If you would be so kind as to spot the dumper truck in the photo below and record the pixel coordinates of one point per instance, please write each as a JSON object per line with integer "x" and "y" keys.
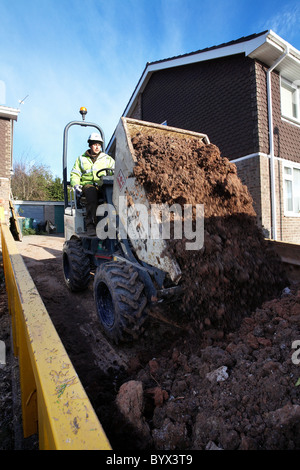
{"x": 131, "y": 268}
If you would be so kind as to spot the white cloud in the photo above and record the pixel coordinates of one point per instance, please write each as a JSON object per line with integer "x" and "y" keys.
{"x": 285, "y": 22}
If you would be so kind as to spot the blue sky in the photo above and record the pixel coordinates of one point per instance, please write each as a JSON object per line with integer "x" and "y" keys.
{"x": 64, "y": 54}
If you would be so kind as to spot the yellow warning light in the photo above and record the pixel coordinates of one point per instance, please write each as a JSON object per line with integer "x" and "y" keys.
{"x": 83, "y": 112}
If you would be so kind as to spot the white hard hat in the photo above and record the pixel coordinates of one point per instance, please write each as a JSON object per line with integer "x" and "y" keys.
{"x": 94, "y": 137}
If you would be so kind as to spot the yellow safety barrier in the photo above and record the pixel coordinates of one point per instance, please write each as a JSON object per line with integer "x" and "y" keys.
{"x": 54, "y": 403}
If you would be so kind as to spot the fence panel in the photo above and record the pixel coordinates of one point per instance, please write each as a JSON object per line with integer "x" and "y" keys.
{"x": 54, "y": 403}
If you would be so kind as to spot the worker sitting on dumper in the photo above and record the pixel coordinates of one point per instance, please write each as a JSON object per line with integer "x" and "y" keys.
{"x": 83, "y": 177}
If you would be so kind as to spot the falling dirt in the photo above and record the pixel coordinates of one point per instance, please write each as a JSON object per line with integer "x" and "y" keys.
{"x": 217, "y": 369}
{"x": 235, "y": 271}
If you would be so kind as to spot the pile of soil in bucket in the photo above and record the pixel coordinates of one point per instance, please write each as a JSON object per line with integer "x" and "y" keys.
{"x": 236, "y": 270}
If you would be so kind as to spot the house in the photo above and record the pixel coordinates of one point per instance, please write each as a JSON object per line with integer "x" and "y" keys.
{"x": 245, "y": 95}
{"x": 35, "y": 211}
{"x": 7, "y": 118}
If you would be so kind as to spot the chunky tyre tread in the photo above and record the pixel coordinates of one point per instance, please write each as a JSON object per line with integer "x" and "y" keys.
{"x": 76, "y": 266}
{"x": 128, "y": 301}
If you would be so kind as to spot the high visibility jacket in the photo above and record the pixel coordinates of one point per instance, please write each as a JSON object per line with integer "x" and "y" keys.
{"x": 84, "y": 169}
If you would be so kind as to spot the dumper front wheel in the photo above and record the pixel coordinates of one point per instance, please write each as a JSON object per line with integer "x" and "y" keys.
{"x": 76, "y": 266}
{"x": 120, "y": 301}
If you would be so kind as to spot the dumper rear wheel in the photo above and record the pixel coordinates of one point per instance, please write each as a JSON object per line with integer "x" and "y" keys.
{"x": 120, "y": 301}
{"x": 76, "y": 266}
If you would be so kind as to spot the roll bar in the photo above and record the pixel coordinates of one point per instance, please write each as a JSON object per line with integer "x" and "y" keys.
{"x": 82, "y": 123}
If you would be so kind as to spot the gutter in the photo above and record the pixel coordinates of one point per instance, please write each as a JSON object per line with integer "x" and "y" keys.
{"x": 271, "y": 141}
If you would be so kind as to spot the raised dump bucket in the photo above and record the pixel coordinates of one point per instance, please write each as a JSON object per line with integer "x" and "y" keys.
{"x": 126, "y": 188}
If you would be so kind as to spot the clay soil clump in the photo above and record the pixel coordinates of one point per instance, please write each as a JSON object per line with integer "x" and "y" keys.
{"x": 235, "y": 393}
{"x": 236, "y": 270}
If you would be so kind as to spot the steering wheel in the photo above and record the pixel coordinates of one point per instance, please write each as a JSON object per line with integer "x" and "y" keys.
{"x": 105, "y": 169}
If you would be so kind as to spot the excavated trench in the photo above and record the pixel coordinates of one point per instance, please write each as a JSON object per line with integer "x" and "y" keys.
{"x": 214, "y": 370}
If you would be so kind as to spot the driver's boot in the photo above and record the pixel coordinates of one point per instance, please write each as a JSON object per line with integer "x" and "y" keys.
{"x": 91, "y": 230}
{"x": 90, "y": 226}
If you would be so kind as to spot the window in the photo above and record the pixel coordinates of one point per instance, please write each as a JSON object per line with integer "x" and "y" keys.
{"x": 290, "y": 100}
{"x": 291, "y": 177}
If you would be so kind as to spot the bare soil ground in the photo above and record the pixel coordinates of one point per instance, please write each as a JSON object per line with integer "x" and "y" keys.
{"x": 178, "y": 388}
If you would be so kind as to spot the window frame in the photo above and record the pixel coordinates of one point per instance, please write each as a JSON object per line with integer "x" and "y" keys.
{"x": 284, "y": 82}
{"x": 292, "y": 166}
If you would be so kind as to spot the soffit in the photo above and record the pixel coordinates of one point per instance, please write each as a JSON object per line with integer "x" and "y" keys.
{"x": 272, "y": 49}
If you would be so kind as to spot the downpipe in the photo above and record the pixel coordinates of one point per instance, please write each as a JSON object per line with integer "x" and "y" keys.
{"x": 271, "y": 143}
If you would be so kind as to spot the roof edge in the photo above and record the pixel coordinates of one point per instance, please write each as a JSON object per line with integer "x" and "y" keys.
{"x": 242, "y": 45}
{"x": 9, "y": 113}
{"x": 235, "y": 42}
{"x": 246, "y": 44}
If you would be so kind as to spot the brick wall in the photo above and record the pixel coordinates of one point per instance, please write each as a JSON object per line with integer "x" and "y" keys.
{"x": 250, "y": 174}
{"x": 255, "y": 174}
{"x": 262, "y": 107}
{"x": 286, "y": 147}
{"x": 137, "y": 111}
{"x": 286, "y": 134}
{"x": 216, "y": 97}
{"x": 288, "y": 228}
{"x": 5, "y": 164}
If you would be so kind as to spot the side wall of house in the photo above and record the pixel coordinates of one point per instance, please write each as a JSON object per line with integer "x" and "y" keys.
{"x": 5, "y": 164}
{"x": 286, "y": 149}
{"x": 137, "y": 111}
{"x": 288, "y": 228}
{"x": 227, "y": 99}
{"x": 255, "y": 171}
{"x": 215, "y": 97}
{"x": 286, "y": 134}
{"x": 249, "y": 171}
